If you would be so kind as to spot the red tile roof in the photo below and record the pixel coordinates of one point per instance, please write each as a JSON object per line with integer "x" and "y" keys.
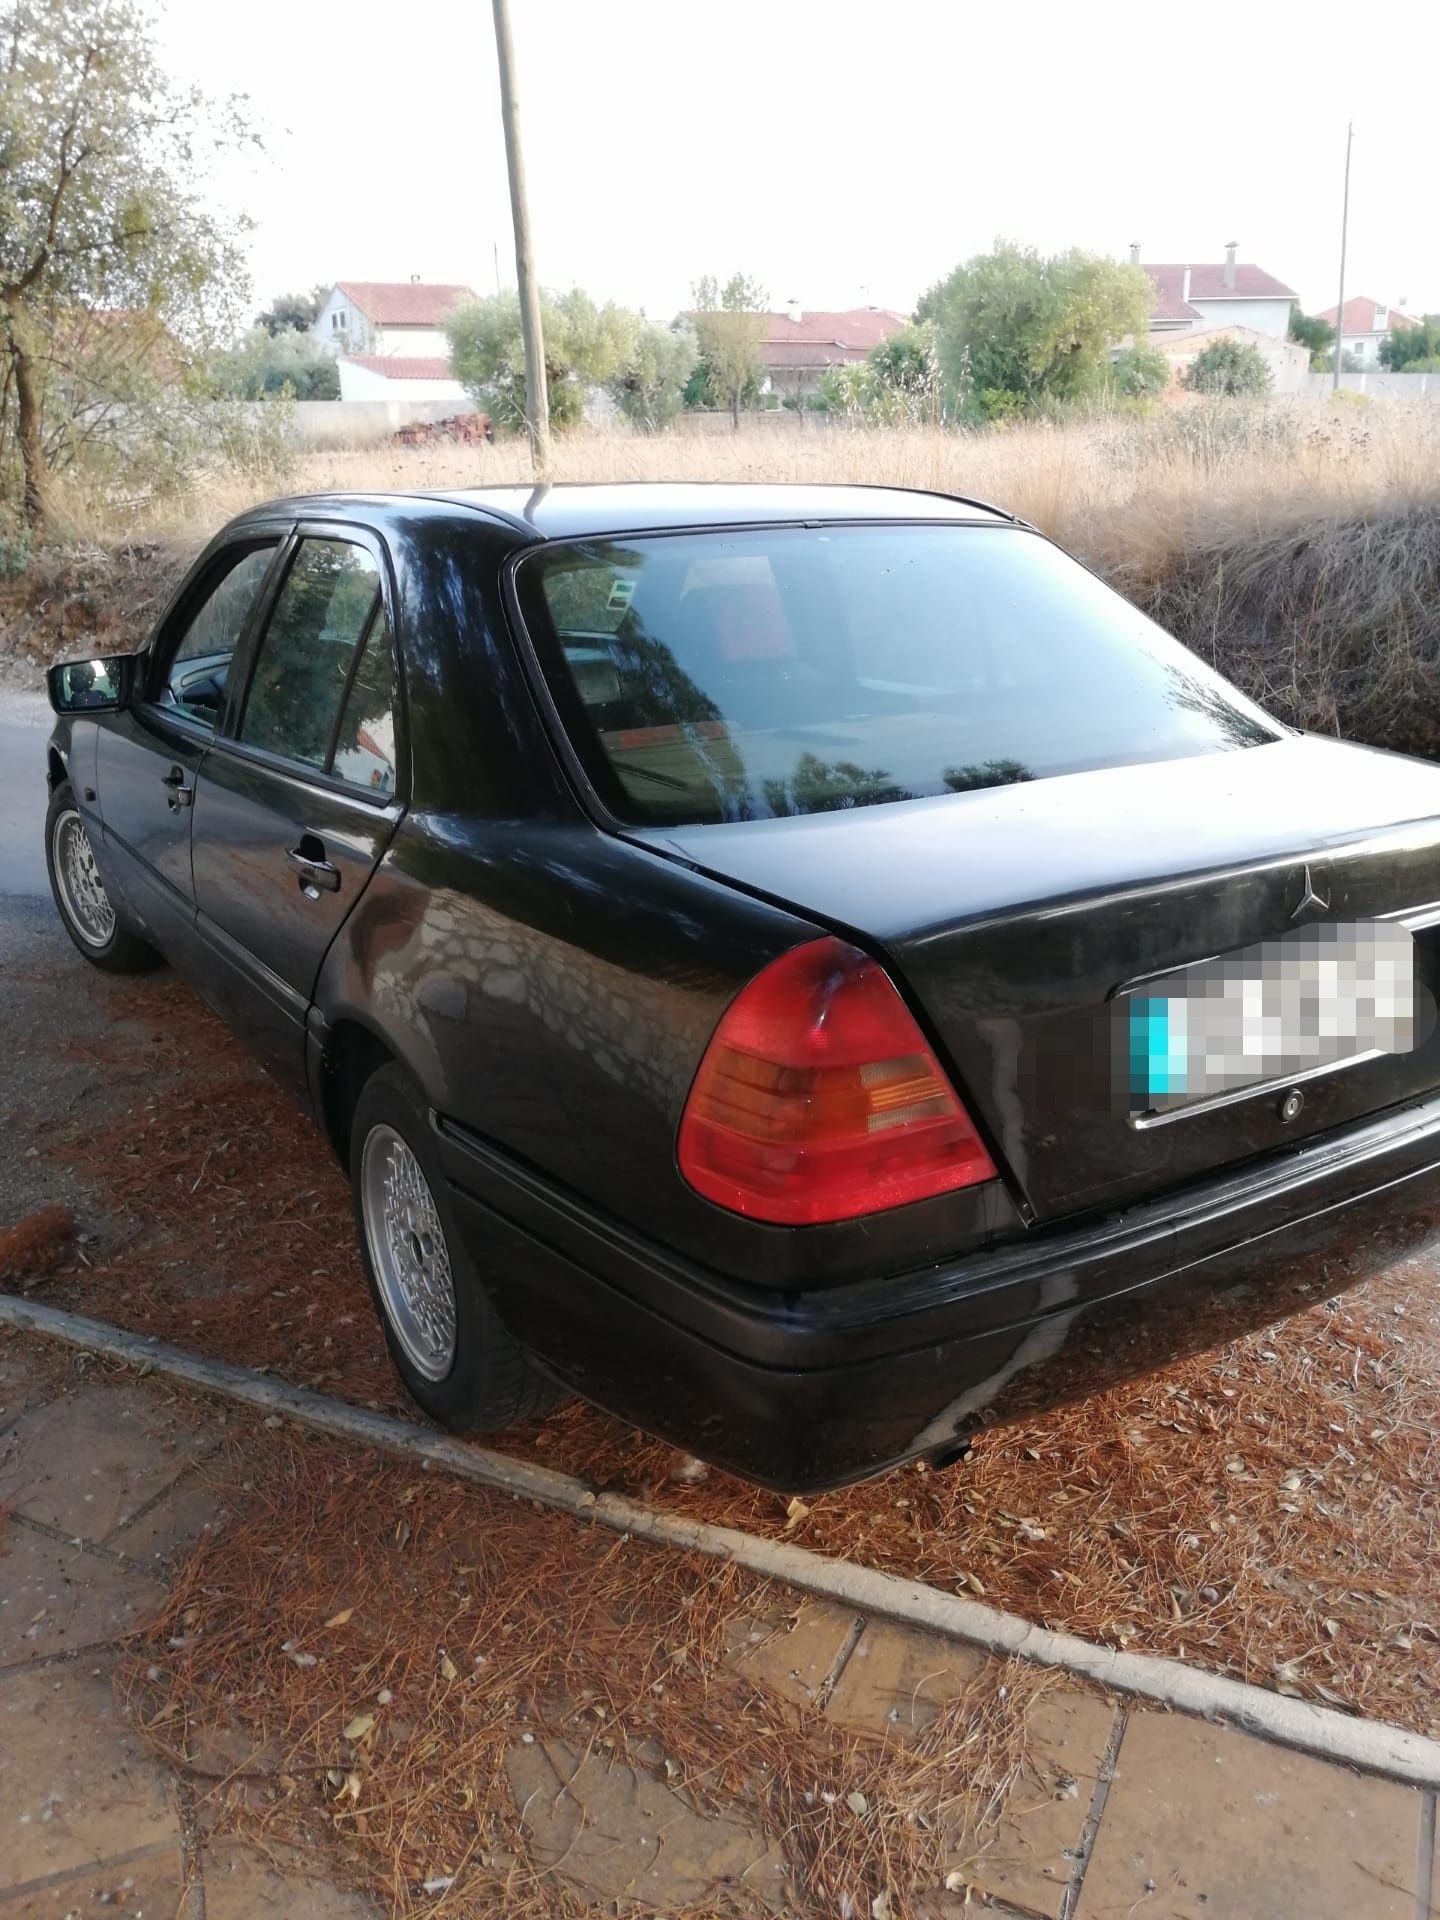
{"x": 1208, "y": 283}
{"x": 404, "y": 303}
{"x": 402, "y": 366}
{"x": 826, "y": 339}
{"x": 1360, "y": 316}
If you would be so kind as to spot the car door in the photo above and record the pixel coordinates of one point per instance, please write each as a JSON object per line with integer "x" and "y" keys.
{"x": 148, "y": 756}
{"x": 301, "y": 792}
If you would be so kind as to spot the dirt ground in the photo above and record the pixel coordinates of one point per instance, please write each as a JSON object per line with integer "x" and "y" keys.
{"x": 1268, "y": 1512}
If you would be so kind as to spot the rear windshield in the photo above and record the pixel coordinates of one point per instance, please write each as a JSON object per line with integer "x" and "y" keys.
{"x": 745, "y": 675}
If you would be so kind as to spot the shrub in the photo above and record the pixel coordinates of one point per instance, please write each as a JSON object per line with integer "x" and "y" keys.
{"x": 1228, "y": 367}
{"x": 1141, "y": 373}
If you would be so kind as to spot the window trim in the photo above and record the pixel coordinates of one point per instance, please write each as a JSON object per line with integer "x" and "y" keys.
{"x": 227, "y": 737}
{"x": 175, "y": 622}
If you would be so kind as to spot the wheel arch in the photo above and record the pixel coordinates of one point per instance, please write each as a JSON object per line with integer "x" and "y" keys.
{"x": 352, "y": 1053}
{"x": 56, "y": 770}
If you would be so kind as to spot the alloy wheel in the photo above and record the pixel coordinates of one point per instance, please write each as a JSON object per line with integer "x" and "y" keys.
{"x": 407, "y": 1250}
{"x": 82, "y": 891}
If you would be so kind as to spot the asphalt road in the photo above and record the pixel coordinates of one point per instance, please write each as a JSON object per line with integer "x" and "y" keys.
{"x": 24, "y": 728}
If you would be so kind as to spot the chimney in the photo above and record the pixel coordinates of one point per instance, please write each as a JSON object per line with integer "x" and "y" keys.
{"x": 792, "y": 310}
{"x": 414, "y": 279}
{"x": 1134, "y": 253}
{"x": 1230, "y": 250}
{"x": 1185, "y": 285}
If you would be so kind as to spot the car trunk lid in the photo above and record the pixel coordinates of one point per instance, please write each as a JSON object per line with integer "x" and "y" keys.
{"x": 1014, "y": 917}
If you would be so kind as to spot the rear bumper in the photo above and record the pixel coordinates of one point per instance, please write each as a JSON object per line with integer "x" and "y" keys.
{"x": 807, "y": 1390}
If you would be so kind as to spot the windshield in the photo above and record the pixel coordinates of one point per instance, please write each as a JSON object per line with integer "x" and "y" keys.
{"x": 771, "y": 671}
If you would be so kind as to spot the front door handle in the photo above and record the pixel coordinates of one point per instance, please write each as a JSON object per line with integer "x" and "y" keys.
{"x": 179, "y": 794}
{"x": 316, "y": 876}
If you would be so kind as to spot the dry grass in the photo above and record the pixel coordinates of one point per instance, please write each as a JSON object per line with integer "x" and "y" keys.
{"x": 1128, "y": 489}
{"x": 385, "y": 1640}
{"x": 1296, "y": 546}
{"x": 1268, "y": 1511}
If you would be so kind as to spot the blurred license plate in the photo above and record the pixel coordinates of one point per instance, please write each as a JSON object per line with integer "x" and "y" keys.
{"x": 1319, "y": 998}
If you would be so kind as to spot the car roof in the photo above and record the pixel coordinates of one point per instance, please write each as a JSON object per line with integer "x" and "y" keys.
{"x": 570, "y": 511}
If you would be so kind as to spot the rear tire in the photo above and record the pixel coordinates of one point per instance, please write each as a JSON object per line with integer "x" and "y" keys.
{"x": 85, "y": 908}
{"x": 457, "y": 1358}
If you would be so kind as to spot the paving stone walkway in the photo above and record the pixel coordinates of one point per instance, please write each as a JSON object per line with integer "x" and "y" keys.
{"x": 1122, "y": 1812}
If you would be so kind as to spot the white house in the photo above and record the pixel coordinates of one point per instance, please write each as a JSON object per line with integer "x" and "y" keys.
{"x": 377, "y": 317}
{"x": 1367, "y": 326}
{"x": 1230, "y": 293}
{"x": 400, "y": 376}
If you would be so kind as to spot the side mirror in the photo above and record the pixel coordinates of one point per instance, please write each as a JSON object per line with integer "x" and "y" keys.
{"x": 79, "y": 686}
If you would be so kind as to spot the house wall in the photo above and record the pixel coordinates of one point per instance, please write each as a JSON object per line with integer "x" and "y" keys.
{"x": 361, "y": 383}
{"x": 1288, "y": 361}
{"x": 1364, "y": 346}
{"x": 1270, "y": 317}
{"x": 353, "y": 334}
{"x": 425, "y": 343}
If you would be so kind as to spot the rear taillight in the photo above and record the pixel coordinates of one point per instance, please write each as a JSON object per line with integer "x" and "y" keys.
{"x": 819, "y": 1099}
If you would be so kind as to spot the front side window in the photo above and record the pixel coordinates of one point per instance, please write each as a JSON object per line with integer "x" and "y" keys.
{"x": 200, "y": 665}
{"x": 772, "y": 671}
{"x": 320, "y": 616}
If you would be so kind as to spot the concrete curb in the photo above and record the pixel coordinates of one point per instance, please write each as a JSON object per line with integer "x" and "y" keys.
{"x": 1373, "y": 1745}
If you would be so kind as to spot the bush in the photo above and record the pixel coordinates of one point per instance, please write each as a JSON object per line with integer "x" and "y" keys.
{"x": 1141, "y": 373}
{"x": 1228, "y": 367}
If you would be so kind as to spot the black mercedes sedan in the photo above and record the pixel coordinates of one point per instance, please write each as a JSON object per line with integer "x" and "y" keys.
{"x": 810, "y": 969}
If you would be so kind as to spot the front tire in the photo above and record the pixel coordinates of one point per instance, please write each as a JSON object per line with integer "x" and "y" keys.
{"x": 84, "y": 906}
{"x": 450, "y": 1347}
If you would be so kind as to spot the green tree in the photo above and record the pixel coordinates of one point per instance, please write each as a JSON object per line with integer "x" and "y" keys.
{"x": 1141, "y": 372}
{"x": 898, "y": 384}
{"x": 1312, "y": 332}
{"x": 98, "y": 152}
{"x": 649, "y": 386}
{"x": 265, "y": 364}
{"x": 585, "y": 346}
{"x": 1228, "y": 367}
{"x": 1013, "y": 322}
{"x": 730, "y": 324}
{"x": 1406, "y": 345}
{"x": 293, "y": 312}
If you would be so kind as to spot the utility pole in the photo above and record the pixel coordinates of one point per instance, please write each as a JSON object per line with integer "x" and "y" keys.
{"x": 1344, "y": 232}
{"x": 537, "y": 400}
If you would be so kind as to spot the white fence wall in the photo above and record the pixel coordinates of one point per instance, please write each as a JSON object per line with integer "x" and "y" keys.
{"x": 1386, "y": 386}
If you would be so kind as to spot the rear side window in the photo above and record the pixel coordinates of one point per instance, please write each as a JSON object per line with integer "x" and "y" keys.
{"x": 365, "y": 743}
{"x": 200, "y": 665}
{"x": 321, "y": 614}
{"x": 784, "y": 670}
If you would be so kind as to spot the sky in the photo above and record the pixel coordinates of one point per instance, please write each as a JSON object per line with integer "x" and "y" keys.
{"x": 843, "y": 155}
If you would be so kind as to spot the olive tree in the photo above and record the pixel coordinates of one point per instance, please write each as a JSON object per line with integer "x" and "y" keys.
{"x": 585, "y": 346}
{"x": 730, "y": 324}
{"x": 98, "y": 150}
{"x": 1019, "y": 328}
{"x": 649, "y": 387}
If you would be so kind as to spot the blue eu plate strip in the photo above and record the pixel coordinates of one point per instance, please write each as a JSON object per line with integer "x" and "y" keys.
{"x": 1159, "y": 1061}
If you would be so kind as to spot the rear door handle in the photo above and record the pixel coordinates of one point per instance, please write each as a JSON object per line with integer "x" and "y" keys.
{"x": 316, "y": 876}
{"x": 179, "y": 794}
